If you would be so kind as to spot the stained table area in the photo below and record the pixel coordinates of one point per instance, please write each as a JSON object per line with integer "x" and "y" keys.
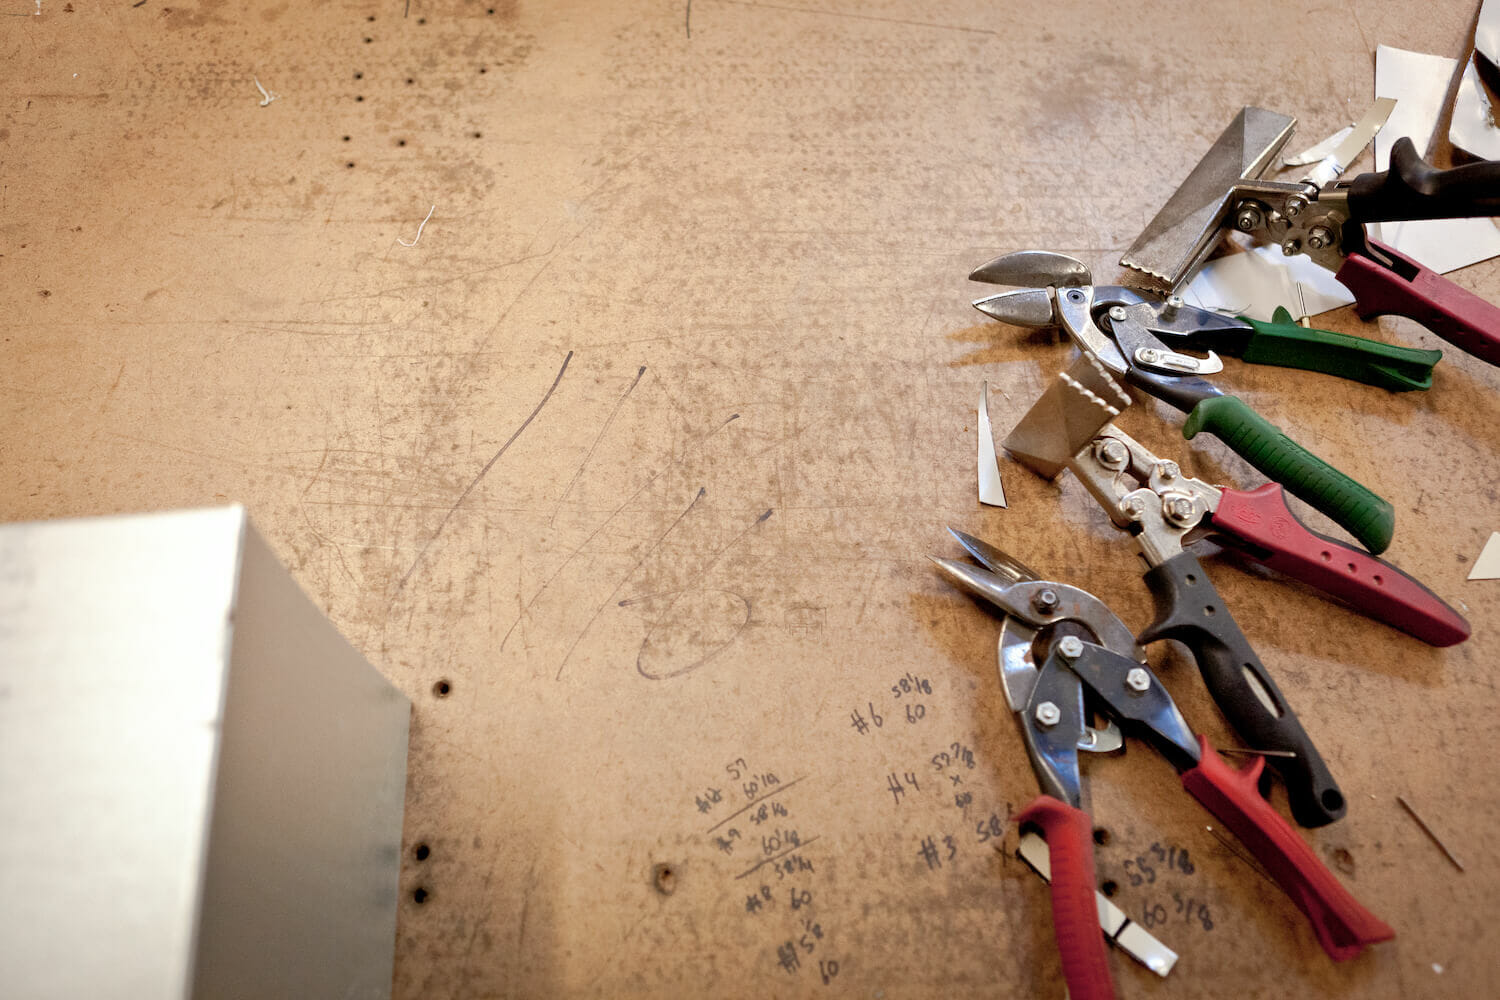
{"x": 625, "y": 466}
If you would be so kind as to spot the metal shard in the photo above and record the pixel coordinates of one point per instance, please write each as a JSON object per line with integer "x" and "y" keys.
{"x": 991, "y": 489}
{"x": 1189, "y": 225}
{"x": 1332, "y": 166}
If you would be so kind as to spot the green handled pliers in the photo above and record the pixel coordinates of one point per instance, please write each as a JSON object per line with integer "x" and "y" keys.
{"x": 1057, "y": 290}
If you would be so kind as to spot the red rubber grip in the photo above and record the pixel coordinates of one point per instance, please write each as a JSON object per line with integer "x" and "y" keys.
{"x": 1075, "y": 916}
{"x": 1456, "y": 314}
{"x": 1340, "y": 921}
{"x": 1374, "y": 587}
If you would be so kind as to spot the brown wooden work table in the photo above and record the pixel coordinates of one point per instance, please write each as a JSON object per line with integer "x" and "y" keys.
{"x": 626, "y": 472}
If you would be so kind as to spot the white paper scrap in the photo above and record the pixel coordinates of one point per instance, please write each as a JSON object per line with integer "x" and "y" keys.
{"x": 1487, "y": 566}
{"x": 991, "y": 489}
{"x": 1473, "y": 127}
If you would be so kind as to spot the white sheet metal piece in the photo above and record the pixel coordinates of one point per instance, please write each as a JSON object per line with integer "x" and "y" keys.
{"x": 1419, "y": 82}
{"x": 1487, "y": 32}
{"x": 1127, "y": 935}
{"x": 1473, "y": 127}
{"x": 1314, "y": 153}
{"x": 1487, "y": 566}
{"x": 991, "y": 489}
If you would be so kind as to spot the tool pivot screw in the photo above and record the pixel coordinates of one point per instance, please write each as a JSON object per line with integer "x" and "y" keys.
{"x": 1180, "y": 510}
{"x": 1291, "y": 248}
{"x": 1117, "y": 313}
{"x": 1137, "y": 679}
{"x": 1320, "y": 237}
{"x": 1169, "y": 470}
{"x": 1170, "y": 307}
{"x": 1248, "y": 218}
{"x": 1045, "y": 601}
{"x": 1048, "y": 714}
{"x": 1070, "y": 646}
{"x": 1112, "y": 453}
{"x": 1294, "y": 206}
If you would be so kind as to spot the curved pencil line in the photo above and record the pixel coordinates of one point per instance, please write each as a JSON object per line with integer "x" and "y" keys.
{"x": 702, "y": 492}
{"x": 482, "y": 472}
{"x": 593, "y": 447}
{"x": 521, "y": 615}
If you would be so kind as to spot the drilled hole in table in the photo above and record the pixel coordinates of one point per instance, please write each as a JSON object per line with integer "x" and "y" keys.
{"x": 422, "y": 852}
{"x": 420, "y": 896}
{"x": 441, "y": 688}
{"x": 1109, "y": 888}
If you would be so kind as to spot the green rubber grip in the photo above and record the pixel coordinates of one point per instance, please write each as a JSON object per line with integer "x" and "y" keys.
{"x": 1283, "y": 343}
{"x": 1371, "y": 520}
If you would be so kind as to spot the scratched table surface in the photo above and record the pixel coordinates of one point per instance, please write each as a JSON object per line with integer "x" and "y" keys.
{"x": 626, "y": 465}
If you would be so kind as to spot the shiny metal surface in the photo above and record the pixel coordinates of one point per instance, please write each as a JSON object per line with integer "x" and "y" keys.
{"x": 1039, "y": 268}
{"x": 1015, "y": 599}
{"x": 202, "y": 782}
{"x": 1148, "y": 711}
{"x": 994, "y": 559}
{"x": 1029, "y": 307}
{"x": 1141, "y": 493}
{"x": 1075, "y": 311}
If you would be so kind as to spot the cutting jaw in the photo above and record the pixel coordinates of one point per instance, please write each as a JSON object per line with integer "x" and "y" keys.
{"x": 1074, "y": 408}
{"x": 1189, "y": 225}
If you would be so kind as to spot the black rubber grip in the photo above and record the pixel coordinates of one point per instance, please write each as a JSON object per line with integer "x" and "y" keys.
{"x": 1189, "y": 610}
{"x": 1414, "y": 189}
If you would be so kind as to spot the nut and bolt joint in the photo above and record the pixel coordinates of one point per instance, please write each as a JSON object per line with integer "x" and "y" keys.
{"x": 1070, "y": 647}
{"x": 1111, "y": 453}
{"x": 1291, "y": 248}
{"x": 1248, "y": 218}
{"x": 1178, "y": 509}
{"x": 1168, "y": 470}
{"x": 1137, "y": 679}
{"x": 1294, "y": 206}
{"x": 1048, "y": 714}
{"x": 1117, "y": 313}
{"x": 1320, "y": 237}
{"x": 1045, "y": 601}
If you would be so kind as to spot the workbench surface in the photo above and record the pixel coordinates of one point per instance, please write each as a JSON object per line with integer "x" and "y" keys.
{"x": 627, "y": 470}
